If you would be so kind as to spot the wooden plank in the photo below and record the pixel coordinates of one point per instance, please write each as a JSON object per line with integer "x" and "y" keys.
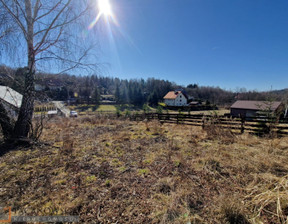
{"x": 251, "y": 126}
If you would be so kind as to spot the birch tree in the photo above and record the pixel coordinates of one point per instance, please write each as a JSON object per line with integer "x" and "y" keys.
{"x": 50, "y": 31}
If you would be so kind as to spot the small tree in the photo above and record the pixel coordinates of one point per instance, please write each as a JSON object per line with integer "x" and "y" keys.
{"x": 146, "y": 108}
{"x": 153, "y": 98}
{"x": 96, "y": 96}
{"x": 117, "y": 94}
{"x": 159, "y": 109}
{"x": 268, "y": 117}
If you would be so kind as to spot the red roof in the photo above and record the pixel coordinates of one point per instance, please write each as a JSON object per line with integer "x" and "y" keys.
{"x": 173, "y": 95}
{"x": 255, "y": 105}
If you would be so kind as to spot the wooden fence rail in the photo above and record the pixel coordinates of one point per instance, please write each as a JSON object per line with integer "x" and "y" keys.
{"x": 252, "y": 125}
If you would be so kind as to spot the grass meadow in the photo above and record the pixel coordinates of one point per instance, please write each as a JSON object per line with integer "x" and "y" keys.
{"x": 119, "y": 171}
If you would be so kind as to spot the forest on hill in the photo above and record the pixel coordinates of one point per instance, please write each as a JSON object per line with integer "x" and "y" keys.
{"x": 88, "y": 89}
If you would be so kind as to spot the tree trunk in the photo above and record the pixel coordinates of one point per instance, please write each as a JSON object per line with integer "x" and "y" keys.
{"x": 24, "y": 121}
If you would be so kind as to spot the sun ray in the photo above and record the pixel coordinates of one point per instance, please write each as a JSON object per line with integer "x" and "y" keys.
{"x": 93, "y": 23}
{"x": 105, "y": 12}
{"x": 128, "y": 39}
{"x": 113, "y": 46}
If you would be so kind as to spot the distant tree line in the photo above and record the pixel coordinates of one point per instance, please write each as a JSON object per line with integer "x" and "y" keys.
{"x": 89, "y": 89}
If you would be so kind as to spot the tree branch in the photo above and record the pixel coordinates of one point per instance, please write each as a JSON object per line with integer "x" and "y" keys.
{"x": 61, "y": 24}
{"x": 76, "y": 64}
{"x": 47, "y": 13}
{"x": 51, "y": 25}
{"x": 53, "y": 42}
{"x": 21, "y": 9}
{"x": 16, "y": 18}
{"x": 36, "y": 10}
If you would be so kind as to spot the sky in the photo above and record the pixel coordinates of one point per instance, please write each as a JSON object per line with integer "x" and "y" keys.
{"x": 231, "y": 44}
{"x": 227, "y": 43}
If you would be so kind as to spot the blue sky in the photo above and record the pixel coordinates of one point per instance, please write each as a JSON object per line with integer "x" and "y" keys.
{"x": 225, "y": 43}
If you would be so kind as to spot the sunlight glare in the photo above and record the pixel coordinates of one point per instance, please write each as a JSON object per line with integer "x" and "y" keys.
{"x": 104, "y": 7}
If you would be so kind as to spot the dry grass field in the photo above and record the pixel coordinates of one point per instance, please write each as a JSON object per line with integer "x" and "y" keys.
{"x": 118, "y": 171}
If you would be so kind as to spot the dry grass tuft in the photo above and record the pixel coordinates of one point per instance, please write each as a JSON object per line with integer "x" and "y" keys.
{"x": 216, "y": 132}
{"x": 68, "y": 144}
{"x": 269, "y": 199}
{"x": 165, "y": 186}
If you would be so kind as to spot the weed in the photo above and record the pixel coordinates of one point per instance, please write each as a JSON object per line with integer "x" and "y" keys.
{"x": 143, "y": 172}
{"x": 60, "y": 182}
{"x": 91, "y": 179}
{"x": 159, "y": 109}
{"x": 177, "y": 163}
{"x": 108, "y": 183}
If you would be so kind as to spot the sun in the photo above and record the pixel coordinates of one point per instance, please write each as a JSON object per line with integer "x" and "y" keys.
{"x": 105, "y": 7}
{"x": 105, "y": 10}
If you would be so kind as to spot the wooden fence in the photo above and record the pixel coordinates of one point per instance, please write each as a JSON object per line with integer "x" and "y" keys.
{"x": 252, "y": 125}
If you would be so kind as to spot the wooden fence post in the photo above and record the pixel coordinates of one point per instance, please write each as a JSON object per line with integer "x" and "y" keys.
{"x": 203, "y": 122}
{"x": 242, "y": 124}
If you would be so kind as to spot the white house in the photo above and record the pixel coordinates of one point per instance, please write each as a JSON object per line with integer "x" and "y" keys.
{"x": 175, "y": 98}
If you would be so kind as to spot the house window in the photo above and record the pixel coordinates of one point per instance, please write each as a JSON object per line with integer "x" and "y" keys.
{"x": 180, "y": 100}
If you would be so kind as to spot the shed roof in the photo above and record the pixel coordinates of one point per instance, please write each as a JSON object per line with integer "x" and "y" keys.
{"x": 255, "y": 105}
{"x": 10, "y": 96}
{"x": 173, "y": 95}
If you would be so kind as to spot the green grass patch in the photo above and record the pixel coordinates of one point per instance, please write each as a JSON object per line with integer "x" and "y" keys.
{"x": 110, "y": 108}
{"x": 91, "y": 179}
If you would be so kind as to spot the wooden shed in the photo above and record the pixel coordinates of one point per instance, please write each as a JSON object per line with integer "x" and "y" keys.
{"x": 248, "y": 108}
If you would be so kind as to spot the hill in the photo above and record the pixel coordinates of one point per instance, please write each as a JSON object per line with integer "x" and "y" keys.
{"x": 87, "y": 89}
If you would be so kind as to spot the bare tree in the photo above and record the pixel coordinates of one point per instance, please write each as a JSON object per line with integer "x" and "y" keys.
{"x": 50, "y": 30}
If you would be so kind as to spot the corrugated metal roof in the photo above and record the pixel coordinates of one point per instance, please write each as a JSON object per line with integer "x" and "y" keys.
{"x": 255, "y": 105}
{"x": 10, "y": 96}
